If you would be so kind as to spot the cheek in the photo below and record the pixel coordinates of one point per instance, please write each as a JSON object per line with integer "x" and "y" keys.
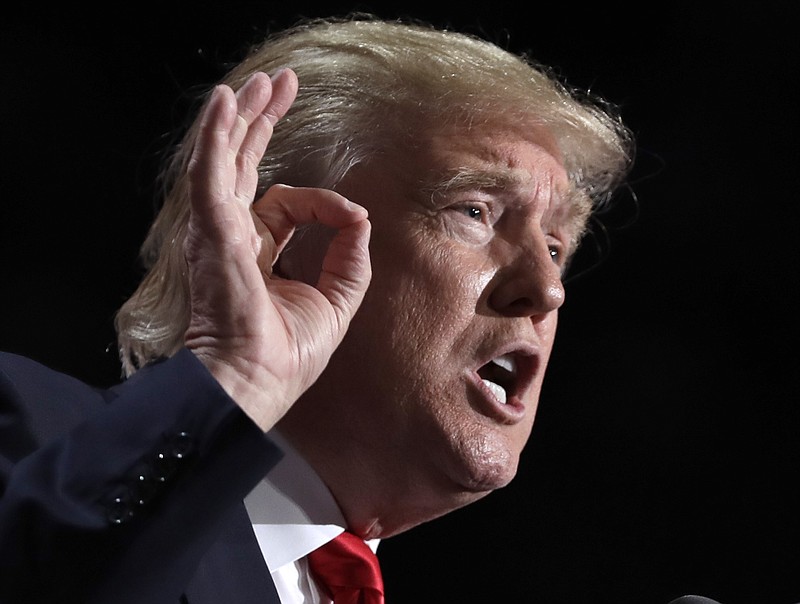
{"x": 438, "y": 303}
{"x": 450, "y": 274}
{"x": 423, "y": 299}
{"x": 546, "y": 330}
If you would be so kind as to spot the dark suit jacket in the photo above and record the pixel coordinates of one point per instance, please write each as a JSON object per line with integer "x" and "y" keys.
{"x": 132, "y": 494}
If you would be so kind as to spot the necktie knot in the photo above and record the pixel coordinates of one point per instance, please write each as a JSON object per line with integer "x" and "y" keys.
{"x": 348, "y": 570}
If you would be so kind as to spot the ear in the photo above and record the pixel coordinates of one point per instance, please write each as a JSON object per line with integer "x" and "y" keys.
{"x": 301, "y": 259}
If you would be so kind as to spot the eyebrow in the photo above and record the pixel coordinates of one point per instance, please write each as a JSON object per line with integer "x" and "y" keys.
{"x": 577, "y": 204}
{"x": 470, "y": 178}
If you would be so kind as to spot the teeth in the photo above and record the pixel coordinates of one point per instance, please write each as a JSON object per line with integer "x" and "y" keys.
{"x": 507, "y": 362}
{"x": 497, "y": 390}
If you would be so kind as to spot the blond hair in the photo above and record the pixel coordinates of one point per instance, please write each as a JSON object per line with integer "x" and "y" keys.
{"x": 365, "y": 84}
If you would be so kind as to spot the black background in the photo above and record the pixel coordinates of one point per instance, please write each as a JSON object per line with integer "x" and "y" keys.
{"x": 664, "y": 459}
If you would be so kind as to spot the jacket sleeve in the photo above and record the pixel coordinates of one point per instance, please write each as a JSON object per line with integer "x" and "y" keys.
{"x": 130, "y": 496}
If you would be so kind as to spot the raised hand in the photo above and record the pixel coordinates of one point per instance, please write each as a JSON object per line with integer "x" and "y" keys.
{"x": 265, "y": 339}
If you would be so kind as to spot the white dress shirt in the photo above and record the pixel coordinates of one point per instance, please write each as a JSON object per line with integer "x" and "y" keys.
{"x": 294, "y": 513}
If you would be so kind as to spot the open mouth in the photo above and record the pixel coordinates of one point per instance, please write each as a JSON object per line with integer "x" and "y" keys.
{"x": 500, "y": 376}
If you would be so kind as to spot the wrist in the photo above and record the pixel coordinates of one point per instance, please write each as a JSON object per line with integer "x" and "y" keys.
{"x": 249, "y": 386}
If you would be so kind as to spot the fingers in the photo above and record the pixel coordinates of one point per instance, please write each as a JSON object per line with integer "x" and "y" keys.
{"x": 284, "y": 91}
{"x": 251, "y": 100}
{"x": 262, "y": 98}
{"x": 232, "y": 137}
{"x": 346, "y": 269}
{"x": 283, "y": 208}
{"x": 209, "y": 156}
{"x": 261, "y": 102}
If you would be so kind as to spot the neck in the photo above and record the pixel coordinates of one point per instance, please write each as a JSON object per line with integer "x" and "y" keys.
{"x": 377, "y": 497}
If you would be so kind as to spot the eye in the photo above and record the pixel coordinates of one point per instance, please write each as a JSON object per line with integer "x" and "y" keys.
{"x": 557, "y": 253}
{"x": 469, "y": 220}
{"x": 472, "y": 211}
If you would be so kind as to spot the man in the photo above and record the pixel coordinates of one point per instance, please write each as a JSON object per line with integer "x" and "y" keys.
{"x": 263, "y": 415}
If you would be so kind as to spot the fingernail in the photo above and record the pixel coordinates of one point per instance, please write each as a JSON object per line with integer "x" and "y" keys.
{"x": 354, "y": 207}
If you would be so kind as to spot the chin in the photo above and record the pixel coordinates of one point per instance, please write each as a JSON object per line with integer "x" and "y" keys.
{"x": 485, "y": 481}
{"x": 486, "y": 468}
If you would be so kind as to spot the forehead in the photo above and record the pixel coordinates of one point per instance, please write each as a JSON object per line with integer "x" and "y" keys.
{"x": 451, "y": 159}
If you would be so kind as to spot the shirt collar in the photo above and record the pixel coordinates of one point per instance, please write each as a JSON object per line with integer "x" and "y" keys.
{"x": 292, "y": 511}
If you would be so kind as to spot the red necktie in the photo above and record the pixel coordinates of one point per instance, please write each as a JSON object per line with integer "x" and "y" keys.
{"x": 348, "y": 570}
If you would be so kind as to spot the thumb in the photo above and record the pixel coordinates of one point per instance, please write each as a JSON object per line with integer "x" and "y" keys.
{"x": 346, "y": 271}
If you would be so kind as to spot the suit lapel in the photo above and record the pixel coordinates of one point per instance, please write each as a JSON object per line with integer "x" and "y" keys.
{"x": 233, "y": 569}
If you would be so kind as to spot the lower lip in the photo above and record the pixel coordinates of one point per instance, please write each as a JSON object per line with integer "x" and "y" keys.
{"x": 510, "y": 412}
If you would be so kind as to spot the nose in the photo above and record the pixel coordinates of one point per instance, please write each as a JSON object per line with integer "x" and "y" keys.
{"x": 529, "y": 285}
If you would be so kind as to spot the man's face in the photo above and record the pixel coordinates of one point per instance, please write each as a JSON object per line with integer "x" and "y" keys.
{"x": 440, "y": 373}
